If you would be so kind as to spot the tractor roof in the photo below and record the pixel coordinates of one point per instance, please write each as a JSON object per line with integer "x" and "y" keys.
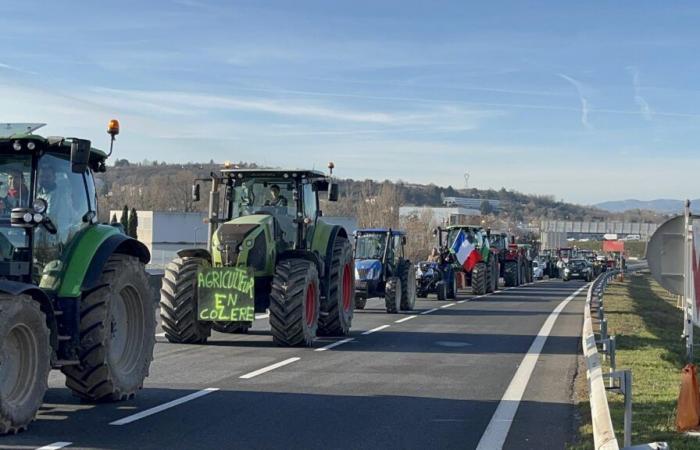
{"x": 275, "y": 173}
{"x": 380, "y": 231}
{"x": 24, "y": 132}
{"x": 465, "y": 227}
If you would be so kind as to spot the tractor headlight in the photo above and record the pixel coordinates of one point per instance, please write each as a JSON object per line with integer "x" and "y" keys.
{"x": 28, "y": 217}
{"x": 39, "y": 205}
{"x": 31, "y": 145}
{"x": 17, "y": 145}
{"x": 38, "y": 218}
{"x": 249, "y": 243}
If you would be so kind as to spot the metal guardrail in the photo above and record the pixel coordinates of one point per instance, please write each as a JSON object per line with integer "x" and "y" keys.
{"x": 618, "y": 381}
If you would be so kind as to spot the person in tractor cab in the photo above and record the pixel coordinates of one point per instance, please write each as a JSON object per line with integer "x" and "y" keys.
{"x": 277, "y": 199}
{"x": 434, "y": 255}
{"x": 17, "y": 193}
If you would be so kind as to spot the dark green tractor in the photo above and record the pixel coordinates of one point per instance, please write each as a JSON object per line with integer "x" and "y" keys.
{"x": 268, "y": 249}
{"x": 74, "y": 293}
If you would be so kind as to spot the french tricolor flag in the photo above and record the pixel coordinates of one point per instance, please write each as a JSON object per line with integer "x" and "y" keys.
{"x": 465, "y": 251}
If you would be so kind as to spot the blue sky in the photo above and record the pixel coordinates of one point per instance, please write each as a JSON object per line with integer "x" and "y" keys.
{"x": 586, "y": 101}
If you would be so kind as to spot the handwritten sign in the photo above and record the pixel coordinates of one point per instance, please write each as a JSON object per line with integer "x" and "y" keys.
{"x": 225, "y": 294}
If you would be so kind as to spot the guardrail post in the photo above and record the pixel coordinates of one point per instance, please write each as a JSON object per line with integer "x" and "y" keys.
{"x": 627, "y": 390}
{"x": 613, "y": 360}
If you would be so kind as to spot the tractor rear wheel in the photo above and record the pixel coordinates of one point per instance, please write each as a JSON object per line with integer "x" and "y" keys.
{"x": 25, "y": 353}
{"x": 479, "y": 279}
{"x": 294, "y": 303}
{"x": 489, "y": 276}
{"x": 407, "y": 274}
{"x": 360, "y": 302}
{"x": 441, "y": 290}
{"x": 178, "y": 303}
{"x": 117, "y": 334}
{"x": 232, "y": 327}
{"x": 337, "y": 310}
{"x": 392, "y": 295}
{"x": 510, "y": 273}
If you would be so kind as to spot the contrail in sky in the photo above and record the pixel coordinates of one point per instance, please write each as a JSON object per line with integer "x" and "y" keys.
{"x": 584, "y": 101}
{"x": 644, "y": 107}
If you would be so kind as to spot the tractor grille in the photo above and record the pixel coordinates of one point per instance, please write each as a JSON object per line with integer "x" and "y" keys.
{"x": 257, "y": 257}
{"x": 362, "y": 273}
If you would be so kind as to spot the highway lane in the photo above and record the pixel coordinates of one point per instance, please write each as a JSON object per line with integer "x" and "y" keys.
{"x": 431, "y": 380}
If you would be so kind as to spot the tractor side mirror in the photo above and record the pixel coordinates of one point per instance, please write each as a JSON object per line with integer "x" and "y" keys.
{"x": 333, "y": 192}
{"x": 195, "y": 193}
{"x": 79, "y": 155}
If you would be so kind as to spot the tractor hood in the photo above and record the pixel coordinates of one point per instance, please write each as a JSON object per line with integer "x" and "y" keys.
{"x": 368, "y": 269}
{"x": 244, "y": 241}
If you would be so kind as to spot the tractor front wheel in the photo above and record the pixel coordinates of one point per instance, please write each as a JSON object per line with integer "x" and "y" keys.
{"x": 294, "y": 303}
{"x": 178, "y": 304}
{"x": 25, "y": 353}
{"x": 441, "y": 290}
{"x": 360, "y": 302}
{"x": 408, "y": 286}
{"x": 337, "y": 310}
{"x": 117, "y": 334}
{"x": 392, "y": 295}
{"x": 510, "y": 274}
{"x": 479, "y": 279}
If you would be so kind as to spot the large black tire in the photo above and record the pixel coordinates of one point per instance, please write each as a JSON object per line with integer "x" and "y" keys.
{"x": 441, "y": 290}
{"x": 451, "y": 286}
{"x": 178, "y": 302}
{"x": 479, "y": 278}
{"x": 232, "y": 327}
{"x": 510, "y": 273}
{"x": 25, "y": 361}
{"x": 491, "y": 275}
{"x": 295, "y": 303}
{"x": 117, "y": 334}
{"x": 407, "y": 274}
{"x": 496, "y": 274}
{"x": 392, "y": 295}
{"x": 360, "y": 302}
{"x": 338, "y": 308}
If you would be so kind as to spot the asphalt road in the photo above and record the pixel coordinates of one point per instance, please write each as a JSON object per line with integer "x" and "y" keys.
{"x": 471, "y": 373}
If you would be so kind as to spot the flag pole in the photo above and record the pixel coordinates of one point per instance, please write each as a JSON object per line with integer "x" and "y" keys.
{"x": 688, "y": 294}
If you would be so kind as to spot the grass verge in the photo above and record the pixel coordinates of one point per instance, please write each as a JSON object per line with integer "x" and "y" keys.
{"x": 648, "y": 326}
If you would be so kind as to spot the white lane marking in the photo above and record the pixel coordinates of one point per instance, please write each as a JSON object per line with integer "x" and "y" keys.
{"x": 262, "y": 316}
{"x": 334, "y": 345}
{"x": 405, "y": 319}
{"x": 497, "y": 431}
{"x": 429, "y": 311}
{"x": 55, "y": 446}
{"x": 374, "y": 330}
{"x": 269, "y": 368}
{"x": 164, "y": 406}
{"x": 447, "y": 305}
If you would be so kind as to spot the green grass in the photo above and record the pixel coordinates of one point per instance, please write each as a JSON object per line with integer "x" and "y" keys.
{"x": 648, "y": 326}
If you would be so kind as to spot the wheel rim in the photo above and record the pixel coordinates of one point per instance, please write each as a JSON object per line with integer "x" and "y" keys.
{"x": 310, "y": 304}
{"x": 127, "y": 325}
{"x": 19, "y": 362}
{"x": 347, "y": 288}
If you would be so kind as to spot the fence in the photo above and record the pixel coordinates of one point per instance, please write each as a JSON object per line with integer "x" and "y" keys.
{"x": 619, "y": 381}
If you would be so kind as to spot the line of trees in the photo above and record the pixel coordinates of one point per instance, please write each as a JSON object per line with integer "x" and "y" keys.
{"x": 129, "y": 221}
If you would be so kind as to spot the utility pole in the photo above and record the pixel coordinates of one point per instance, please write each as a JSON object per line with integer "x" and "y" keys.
{"x": 688, "y": 289}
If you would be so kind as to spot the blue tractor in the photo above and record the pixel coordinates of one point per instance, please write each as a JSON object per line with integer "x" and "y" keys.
{"x": 382, "y": 270}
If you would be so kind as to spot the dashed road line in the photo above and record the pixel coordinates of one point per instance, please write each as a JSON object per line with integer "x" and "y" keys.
{"x": 269, "y": 368}
{"x": 428, "y": 311}
{"x": 405, "y": 319}
{"x": 55, "y": 446}
{"x": 149, "y": 412}
{"x": 497, "y": 430}
{"x": 334, "y": 344}
{"x": 447, "y": 305}
{"x": 374, "y": 330}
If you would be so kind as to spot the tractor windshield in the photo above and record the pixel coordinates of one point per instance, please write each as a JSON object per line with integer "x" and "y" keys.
{"x": 15, "y": 179}
{"x": 370, "y": 246}
{"x": 267, "y": 196}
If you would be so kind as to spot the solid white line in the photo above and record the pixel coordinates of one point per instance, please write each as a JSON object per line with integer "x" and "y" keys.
{"x": 497, "y": 431}
{"x": 164, "y": 406}
{"x": 429, "y": 311}
{"x": 334, "y": 344}
{"x": 269, "y": 368}
{"x": 55, "y": 446}
{"x": 405, "y": 319}
{"x": 374, "y": 330}
{"x": 447, "y": 305}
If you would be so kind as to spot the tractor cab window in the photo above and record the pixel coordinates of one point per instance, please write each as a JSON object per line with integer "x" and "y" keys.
{"x": 15, "y": 179}
{"x": 370, "y": 246}
{"x": 310, "y": 206}
{"x": 67, "y": 205}
{"x": 258, "y": 196}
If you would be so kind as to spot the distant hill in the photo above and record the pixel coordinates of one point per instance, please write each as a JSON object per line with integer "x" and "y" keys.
{"x": 661, "y": 205}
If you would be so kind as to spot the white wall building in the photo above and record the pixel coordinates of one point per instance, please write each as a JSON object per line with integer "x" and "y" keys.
{"x": 440, "y": 215}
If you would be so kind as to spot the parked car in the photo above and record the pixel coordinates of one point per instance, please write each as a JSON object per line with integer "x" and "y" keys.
{"x": 537, "y": 270}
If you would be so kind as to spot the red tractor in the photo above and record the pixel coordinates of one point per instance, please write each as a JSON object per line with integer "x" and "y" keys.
{"x": 515, "y": 264}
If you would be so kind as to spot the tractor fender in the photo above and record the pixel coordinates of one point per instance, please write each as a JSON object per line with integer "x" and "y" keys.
{"x": 307, "y": 255}
{"x": 18, "y": 288}
{"x": 116, "y": 243}
{"x": 194, "y": 253}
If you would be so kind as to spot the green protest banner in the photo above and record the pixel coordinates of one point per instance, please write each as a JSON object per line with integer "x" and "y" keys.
{"x": 225, "y": 294}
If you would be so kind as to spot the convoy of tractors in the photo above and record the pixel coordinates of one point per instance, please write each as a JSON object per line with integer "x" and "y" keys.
{"x": 74, "y": 293}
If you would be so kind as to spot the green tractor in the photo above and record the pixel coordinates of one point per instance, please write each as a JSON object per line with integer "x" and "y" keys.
{"x": 269, "y": 249}
{"x": 74, "y": 294}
